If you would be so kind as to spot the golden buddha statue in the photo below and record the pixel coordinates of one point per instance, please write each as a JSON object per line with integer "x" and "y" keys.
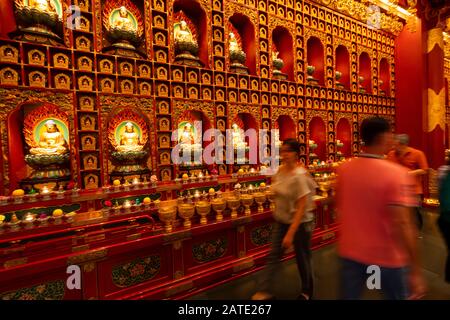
{"x": 42, "y": 5}
{"x": 234, "y": 45}
{"x": 238, "y": 137}
{"x": 51, "y": 142}
{"x": 129, "y": 139}
{"x": 187, "y": 138}
{"x": 123, "y": 21}
{"x": 183, "y": 34}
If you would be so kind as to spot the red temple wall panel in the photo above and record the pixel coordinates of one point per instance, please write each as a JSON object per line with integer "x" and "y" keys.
{"x": 410, "y": 95}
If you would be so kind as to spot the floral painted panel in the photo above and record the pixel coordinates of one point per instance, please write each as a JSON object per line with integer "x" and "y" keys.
{"x": 53, "y": 290}
{"x": 210, "y": 250}
{"x": 261, "y": 235}
{"x": 136, "y": 271}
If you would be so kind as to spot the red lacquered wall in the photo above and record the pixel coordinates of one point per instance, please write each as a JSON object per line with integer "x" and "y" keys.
{"x": 8, "y": 23}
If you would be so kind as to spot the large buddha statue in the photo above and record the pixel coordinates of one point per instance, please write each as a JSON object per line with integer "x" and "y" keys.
{"x": 42, "y": 5}
{"x": 238, "y": 137}
{"x": 123, "y": 21}
{"x": 234, "y": 44}
{"x": 129, "y": 139}
{"x": 51, "y": 141}
{"x": 183, "y": 34}
{"x": 187, "y": 138}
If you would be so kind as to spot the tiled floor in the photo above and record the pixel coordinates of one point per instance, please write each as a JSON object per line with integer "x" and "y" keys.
{"x": 326, "y": 273}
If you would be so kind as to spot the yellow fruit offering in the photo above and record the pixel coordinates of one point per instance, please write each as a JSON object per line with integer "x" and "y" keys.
{"x": 18, "y": 193}
{"x": 146, "y": 200}
{"x": 212, "y": 191}
{"x": 116, "y": 182}
{"x": 57, "y": 213}
{"x": 262, "y": 185}
{"x": 2, "y": 218}
{"x": 185, "y": 176}
{"x": 241, "y": 171}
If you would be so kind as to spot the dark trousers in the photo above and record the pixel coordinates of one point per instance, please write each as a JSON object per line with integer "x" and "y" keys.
{"x": 355, "y": 275}
{"x": 444, "y": 225}
{"x": 303, "y": 255}
{"x": 418, "y": 211}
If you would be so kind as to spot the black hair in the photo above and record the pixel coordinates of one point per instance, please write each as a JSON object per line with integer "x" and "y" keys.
{"x": 372, "y": 127}
{"x": 292, "y": 144}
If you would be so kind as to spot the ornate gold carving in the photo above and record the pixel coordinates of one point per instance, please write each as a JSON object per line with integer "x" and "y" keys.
{"x": 60, "y": 60}
{"x": 277, "y": 112}
{"x": 62, "y": 81}
{"x": 9, "y": 76}
{"x": 37, "y": 79}
{"x": 435, "y": 37}
{"x": 180, "y": 106}
{"x": 89, "y": 267}
{"x": 15, "y": 262}
{"x": 36, "y": 57}
{"x": 88, "y": 256}
{"x": 436, "y": 109}
{"x": 9, "y": 54}
{"x": 235, "y": 109}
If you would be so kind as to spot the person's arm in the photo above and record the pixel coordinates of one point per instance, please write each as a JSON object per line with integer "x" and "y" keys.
{"x": 296, "y": 221}
{"x": 406, "y": 231}
{"x": 423, "y": 165}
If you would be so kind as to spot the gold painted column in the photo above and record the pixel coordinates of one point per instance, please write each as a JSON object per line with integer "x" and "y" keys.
{"x": 436, "y": 98}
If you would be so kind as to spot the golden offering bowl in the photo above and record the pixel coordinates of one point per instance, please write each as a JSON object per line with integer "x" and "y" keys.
{"x": 234, "y": 203}
{"x": 325, "y": 187}
{"x": 247, "y": 201}
{"x": 186, "y": 211}
{"x": 203, "y": 209}
{"x": 168, "y": 216}
{"x": 260, "y": 198}
{"x": 218, "y": 205}
{"x": 271, "y": 196}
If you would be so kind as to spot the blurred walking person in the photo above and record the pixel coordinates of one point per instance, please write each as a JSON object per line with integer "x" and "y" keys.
{"x": 417, "y": 164}
{"x": 376, "y": 228}
{"x": 294, "y": 221}
{"x": 444, "y": 218}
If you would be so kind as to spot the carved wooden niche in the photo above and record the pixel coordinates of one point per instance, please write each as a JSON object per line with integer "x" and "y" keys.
{"x": 127, "y": 87}
{"x": 164, "y": 158}
{"x": 220, "y": 95}
{"x": 255, "y": 98}
{"x": 84, "y": 24}
{"x": 88, "y": 122}
{"x": 232, "y": 96}
{"x": 163, "y": 90}
{"x": 218, "y": 35}
{"x": 145, "y": 88}
{"x": 192, "y": 77}
{"x": 164, "y": 124}
{"x": 9, "y": 76}
{"x": 89, "y": 142}
{"x": 62, "y": 81}
{"x": 206, "y": 78}
{"x": 219, "y": 80}
{"x": 265, "y": 113}
{"x": 244, "y": 97}
{"x": 163, "y": 107}
{"x": 9, "y": 53}
{"x": 164, "y": 141}
{"x": 60, "y": 60}
{"x": 221, "y": 124}
{"x": 144, "y": 71}
{"x": 219, "y": 65}
{"x": 106, "y": 66}
{"x": 207, "y": 95}
{"x": 83, "y": 43}
{"x": 36, "y": 57}
{"x": 177, "y": 74}
{"x": 126, "y": 68}
{"x": 193, "y": 93}
{"x": 90, "y": 162}
{"x": 91, "y": 181}
{"x": 37, "y": 79}
{"x": 265, "y": 99}
{"x": 161, "y": 56}
{"x": 178, "y": 91}
{"x": 243, "y": 84}
{"x": 232, "y": 81}
{"x": 107, "y": 85}
{"x": 86, "y": 103}
{"x": 166, "y": 174}
{"x": 85, "y": 83}
{"x": 220, "y": 110}
{"x": 159, "y": 22}
{"x": 84, "y": 63}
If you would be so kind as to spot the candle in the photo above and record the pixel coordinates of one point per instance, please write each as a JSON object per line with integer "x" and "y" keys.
{"x": 135, "y": 181}
{"x": 45, "y": 190}
{"x": 127, "y": 204}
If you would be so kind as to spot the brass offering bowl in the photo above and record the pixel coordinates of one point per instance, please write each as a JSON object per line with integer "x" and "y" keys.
{"x": 271, "y": 196}
{"x": 186, "y": 211}
{"x": 218, "y": 205}
{"x": 260, "y": 198}
{"x": 168, "y": 216}
{"x": 247, "y": 201}
{"x": 203, "y": 209}
{"x": 234, "y": 203}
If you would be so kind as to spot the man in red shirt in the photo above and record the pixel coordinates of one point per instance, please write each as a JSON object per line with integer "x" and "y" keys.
{"x": 376, "y": 230}
{"x": 416, "y": 162}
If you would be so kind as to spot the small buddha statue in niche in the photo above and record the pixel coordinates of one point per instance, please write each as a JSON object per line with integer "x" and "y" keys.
{"x": 129, "y": 139}
{"x": 238, "y": 137}
{"x": 187, "y": 138}
{"x": 42, "y": 5}
{"x": 123, "y": 21}
{"x": 51, "y": 141}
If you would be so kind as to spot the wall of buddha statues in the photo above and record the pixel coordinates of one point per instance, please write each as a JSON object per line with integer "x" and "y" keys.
{"x": 91, "y": 103}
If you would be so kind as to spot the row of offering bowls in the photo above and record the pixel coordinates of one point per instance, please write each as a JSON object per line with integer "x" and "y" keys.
{"x": 168, "y": 214}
